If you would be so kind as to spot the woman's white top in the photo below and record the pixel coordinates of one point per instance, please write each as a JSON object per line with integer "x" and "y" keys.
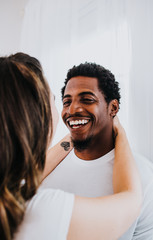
{"x": 47, "y": 216}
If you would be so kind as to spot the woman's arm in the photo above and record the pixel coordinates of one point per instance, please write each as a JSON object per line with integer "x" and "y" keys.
{"x": 56, "y": 154}
{"x": 109, "y": 217}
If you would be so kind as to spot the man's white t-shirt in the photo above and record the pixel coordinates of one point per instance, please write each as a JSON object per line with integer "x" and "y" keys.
{"x": 83, "y": 178}
{"x": 94, "y": 178}
{"x": 47, "y": 216}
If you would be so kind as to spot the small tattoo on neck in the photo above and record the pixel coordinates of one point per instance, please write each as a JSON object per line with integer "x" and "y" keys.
{"x": 65, "y": 145}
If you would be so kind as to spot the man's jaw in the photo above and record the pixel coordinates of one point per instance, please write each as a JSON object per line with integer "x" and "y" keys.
{"x": 80, "y": 127}
{"x": 81, "y": 145}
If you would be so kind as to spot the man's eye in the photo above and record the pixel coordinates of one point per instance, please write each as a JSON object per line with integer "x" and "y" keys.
{"x": 66, "y": 103}
{"x": 87, "y": 100}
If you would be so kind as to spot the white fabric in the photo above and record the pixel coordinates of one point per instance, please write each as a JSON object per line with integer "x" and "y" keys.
{"x": 94, "y": 178}
{"x": 83, "y": 178}
{"x": 47, "y": 216}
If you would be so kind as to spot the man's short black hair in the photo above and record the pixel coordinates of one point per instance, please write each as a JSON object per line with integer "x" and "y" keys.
{"x": 106, "y": 80}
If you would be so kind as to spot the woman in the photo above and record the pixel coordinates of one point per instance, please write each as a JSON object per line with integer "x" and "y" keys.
{"x": 26, "y": 130}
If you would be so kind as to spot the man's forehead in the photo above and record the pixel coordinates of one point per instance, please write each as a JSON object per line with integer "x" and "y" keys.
{"x": 79, "y": 86}
{"x": 82, "y": 82}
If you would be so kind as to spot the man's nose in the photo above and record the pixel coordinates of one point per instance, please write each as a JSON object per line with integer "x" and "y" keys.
{"x": 75, "y": 107}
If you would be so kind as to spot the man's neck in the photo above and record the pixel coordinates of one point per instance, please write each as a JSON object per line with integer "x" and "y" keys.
{"x": 97, "y": 149}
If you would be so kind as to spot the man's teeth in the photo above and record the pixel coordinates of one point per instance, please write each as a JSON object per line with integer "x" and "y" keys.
{"x": 78, "y": 122}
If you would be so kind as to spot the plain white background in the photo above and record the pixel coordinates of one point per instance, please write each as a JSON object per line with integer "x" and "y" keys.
{"x": 117, "y": 34}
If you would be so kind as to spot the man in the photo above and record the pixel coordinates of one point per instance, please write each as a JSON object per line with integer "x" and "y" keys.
{"x": 91, "y": 99}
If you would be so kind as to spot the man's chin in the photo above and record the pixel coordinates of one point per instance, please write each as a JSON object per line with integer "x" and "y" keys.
{"x": 81, "y": 145}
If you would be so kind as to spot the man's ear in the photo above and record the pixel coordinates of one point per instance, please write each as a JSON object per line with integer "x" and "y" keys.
{"x": 113, "y": 107}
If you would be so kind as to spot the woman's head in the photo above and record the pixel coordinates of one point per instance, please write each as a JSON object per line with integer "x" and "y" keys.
{"x": 25, "y": 123}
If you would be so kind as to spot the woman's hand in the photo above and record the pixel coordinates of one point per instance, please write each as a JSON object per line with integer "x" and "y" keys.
{"x": 117, "y": 127}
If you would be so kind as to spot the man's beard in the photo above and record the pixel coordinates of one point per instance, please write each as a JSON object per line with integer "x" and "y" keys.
{"x": 81, "y": 145}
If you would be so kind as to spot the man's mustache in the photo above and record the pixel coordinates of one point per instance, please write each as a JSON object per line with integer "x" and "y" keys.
{"x": 75, "y": 115}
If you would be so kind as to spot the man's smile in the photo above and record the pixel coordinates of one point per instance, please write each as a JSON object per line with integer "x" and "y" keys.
{"x": 75, "y": 123}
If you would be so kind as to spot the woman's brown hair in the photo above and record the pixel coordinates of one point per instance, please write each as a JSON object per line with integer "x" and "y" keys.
{"x": 25, "y": 123}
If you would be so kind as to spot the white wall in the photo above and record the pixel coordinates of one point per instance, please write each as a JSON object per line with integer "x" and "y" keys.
{"x": 66, "y": 32}
{"x": 11, "y": 17}
{"x": 141, "y": 76}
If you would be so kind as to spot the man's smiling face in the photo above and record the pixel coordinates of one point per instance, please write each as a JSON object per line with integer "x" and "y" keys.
{"x": 85, "y": 111}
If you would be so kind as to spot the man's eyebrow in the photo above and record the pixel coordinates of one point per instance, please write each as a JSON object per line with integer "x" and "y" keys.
{"x": 67, "y": 95}
{"x": 80, "y": 94}
{"x": 87, "y": 93}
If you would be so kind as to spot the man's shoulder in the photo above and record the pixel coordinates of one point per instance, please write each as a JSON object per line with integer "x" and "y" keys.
{"x": 145, "y": 167}
{"x": 143, "y": 227}
{"x": 143, "y": 162}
